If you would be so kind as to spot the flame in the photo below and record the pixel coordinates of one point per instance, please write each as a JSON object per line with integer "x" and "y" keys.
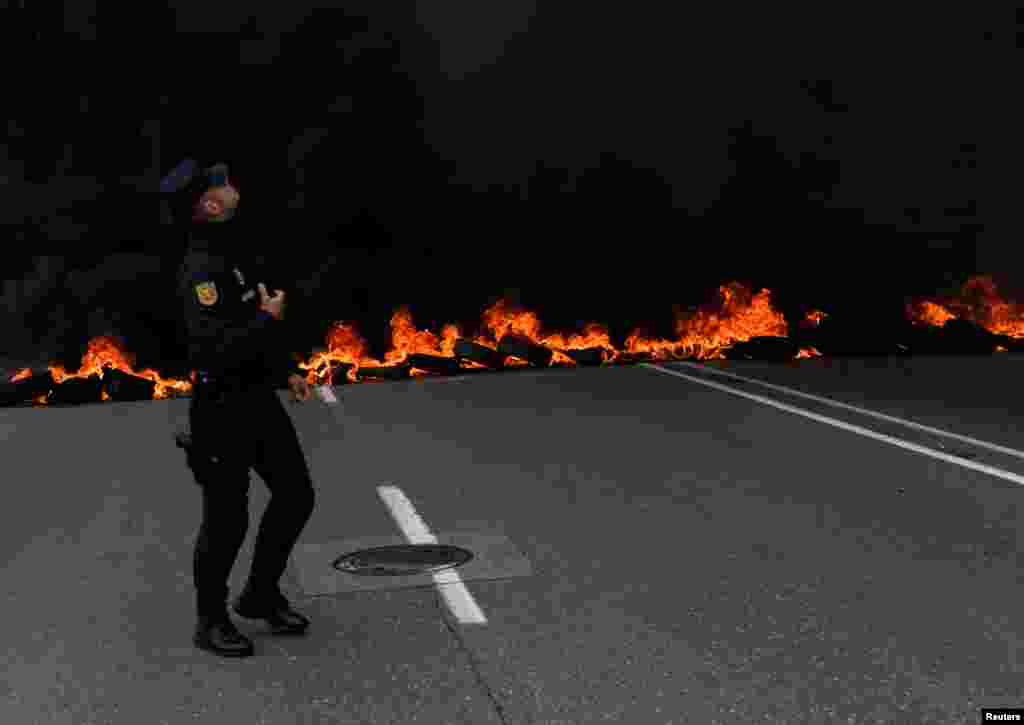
{"x": 344, "y": 345}
{"x": 407, "y": 340}
{"x": 808, "y": 352}
{"x": 738, "y": 316}
{"x": 501, "y": 319}
{"x": 105, "y": 352}
{"x": 929, "y": 313}
{"x": 813, "y": 318}
{"x": 977, "y": 301}
{"x": 593, "y": 335}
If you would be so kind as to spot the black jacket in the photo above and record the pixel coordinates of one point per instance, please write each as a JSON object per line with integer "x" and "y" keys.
{"x": 228, "y": 335}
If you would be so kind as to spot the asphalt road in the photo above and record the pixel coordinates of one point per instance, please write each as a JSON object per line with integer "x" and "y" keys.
{"x": 695, "y": 556}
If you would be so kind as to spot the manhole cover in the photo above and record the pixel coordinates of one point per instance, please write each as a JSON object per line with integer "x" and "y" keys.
{"x": 402, "y": 560}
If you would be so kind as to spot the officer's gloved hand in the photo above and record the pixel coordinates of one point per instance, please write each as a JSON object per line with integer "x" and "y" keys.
{"x": 274, "y": 305}
{"x": 183, "y": 438}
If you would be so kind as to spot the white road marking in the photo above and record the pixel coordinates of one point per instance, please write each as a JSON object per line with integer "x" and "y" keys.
{"x": 458, "y": 598}
{"x": 862, "y": 411}
{"x": 923, "y": 450}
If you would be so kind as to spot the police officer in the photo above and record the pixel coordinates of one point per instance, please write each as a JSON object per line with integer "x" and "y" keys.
{"x": 237, "y": 421}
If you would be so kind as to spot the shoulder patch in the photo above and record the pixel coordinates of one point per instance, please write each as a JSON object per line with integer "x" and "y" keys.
{"x": 207, "y": 293}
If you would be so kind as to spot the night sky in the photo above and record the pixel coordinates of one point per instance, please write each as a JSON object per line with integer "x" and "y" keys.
{"x": 592, "y": 162}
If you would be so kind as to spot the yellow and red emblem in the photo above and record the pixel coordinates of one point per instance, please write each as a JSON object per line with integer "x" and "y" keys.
{"x": 207, "y": 293}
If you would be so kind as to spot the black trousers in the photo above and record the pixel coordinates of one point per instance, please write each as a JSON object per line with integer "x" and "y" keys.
{"x": 231, "y": 433}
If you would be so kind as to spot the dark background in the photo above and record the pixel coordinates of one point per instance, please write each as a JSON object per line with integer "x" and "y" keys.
{"x": 590, "y": 163}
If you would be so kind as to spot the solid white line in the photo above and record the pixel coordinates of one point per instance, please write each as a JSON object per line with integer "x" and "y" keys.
{"x": 981, "y": 467}
{"x": 862, "y": 411}
{"x": 457, "y": 596}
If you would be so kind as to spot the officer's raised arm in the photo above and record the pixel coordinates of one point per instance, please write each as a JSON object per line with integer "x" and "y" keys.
{"x": 281, "y": 363}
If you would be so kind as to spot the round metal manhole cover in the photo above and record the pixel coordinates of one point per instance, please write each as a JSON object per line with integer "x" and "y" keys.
{"x": 402, "y": 560}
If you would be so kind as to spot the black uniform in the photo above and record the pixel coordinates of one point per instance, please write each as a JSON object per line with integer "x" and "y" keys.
{"x": 238, "y": 422}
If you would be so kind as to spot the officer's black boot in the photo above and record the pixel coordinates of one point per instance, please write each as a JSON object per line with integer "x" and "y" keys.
{"x": 273, "y": 608}
{"x": 217, "y": 634}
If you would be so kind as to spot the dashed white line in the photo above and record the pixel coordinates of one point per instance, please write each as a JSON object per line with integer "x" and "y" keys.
{"x": 458, "y": 598}
{"x": 923, "y": 450}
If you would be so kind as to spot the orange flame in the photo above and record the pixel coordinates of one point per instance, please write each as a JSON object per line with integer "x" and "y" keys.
{"x": 502, "y": 319}
{"x": 978, "y": 301}
{"x": 737, "y": 317}
{"x": 814, "y": 318}
{"x": 808, "y": 352}
{"x": 929, "y": 313}
{"x": 407, "y": 340}
{"x": 593, "y": 335}
{"x": 105, "y": 352}
{"x": 344, "y": 345}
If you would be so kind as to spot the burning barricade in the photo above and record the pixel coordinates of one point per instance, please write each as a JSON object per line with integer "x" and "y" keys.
{"x": 976, "y": 321}
{"x": 107, "y": 373}
{"x": 739, "y": 325}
